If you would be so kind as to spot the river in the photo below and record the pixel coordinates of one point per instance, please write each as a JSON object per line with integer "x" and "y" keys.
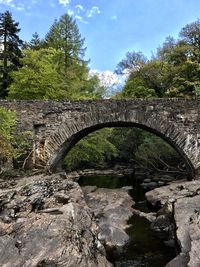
{"x": 144, "y": 248}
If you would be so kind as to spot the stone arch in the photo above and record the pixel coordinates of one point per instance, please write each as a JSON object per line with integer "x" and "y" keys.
{"x": 70, "y": 132}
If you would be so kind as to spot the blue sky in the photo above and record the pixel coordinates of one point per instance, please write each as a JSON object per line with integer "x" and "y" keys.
{"x": 110, "y": 27}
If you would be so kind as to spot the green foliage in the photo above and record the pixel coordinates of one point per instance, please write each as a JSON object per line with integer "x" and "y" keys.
{"x": 7, "y": 125}
{"x": 133, "y": 90}
{"x": 95, "y": 149}
{"x": 22, "y": 144}
{"x": 35, "y": 43}
{"x": 42, "y": 77}
{"x": 56, "y": 71}
{"x": 173, "y": 72}
{"x": 39, "y": 77}
{"x": 186, "y": 82}
{"x": 13, "y": 146}
{"x": 151, "y": 80}
{"x": 64, "y": 35}
{"x": 155, "y": 152}
{"x": 126, "y": 141}
{"x": 190, "y": 35}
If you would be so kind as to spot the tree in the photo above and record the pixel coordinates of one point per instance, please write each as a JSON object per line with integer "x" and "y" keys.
{"x": 7, "y": 124}
{"x": 56, "y": 71}
{"x": 190, "y": 35}
{"x": 92, "y": 151}
{"x": 39, "y": 77}
{"x": 132, "y": 62}
{"x": 64, "y": 36}
{"x": 157, "y": 155}
{"x": 10, "y": 52}
{"x": 35, "y": 43}
{"x": 185, "y": 82}
{"x": 164, "y": 51}
{"x": 151, "y": 80}
{"x": 126, "y": 142}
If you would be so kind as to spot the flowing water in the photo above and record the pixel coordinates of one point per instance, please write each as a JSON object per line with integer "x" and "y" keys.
{"x": 144, "y": 248}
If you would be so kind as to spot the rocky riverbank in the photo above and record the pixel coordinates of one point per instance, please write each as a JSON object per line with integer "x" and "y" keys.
{"x": 45, "y": 221}
{"x": 52, "y": 221}
{"x": 179, "y": 217}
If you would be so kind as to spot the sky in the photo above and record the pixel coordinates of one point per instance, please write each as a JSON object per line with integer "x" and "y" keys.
{"x": 111, "y": 28}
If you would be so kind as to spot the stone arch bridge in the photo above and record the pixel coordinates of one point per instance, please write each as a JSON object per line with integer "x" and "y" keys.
{"x": 57, "y": 125}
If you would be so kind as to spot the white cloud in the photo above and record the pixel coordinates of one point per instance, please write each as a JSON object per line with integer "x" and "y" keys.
{"x": 64, "y": 2}
{"x": 93, "y": 11}
{"x": 7, "y": 2}
{"x": 79, "y": 8}
{"x": 81, "y": 19}
{"x": 70, "y": 12}
{"x": 20, "y": 8}
{"x": 110, "y": 80}
{"x": 13, "y": 4}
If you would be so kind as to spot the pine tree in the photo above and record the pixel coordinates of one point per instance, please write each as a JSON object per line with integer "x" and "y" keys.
{"x": 10, "y": 52}
{"x": 35, "y": 43}
{"x": 64, "y": 35}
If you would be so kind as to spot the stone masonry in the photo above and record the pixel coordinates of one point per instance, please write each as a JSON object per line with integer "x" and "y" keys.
{"x": 58, "y": 125}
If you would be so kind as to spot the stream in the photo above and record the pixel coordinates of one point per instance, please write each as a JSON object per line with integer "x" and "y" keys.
{"x": 144, "y": 248}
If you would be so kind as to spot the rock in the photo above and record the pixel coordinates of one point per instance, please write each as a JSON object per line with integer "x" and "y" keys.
{"x": 180, "y": 261}
{"x": 166, "y": 178}
{"x": 161, "y": 183}
{"x": 176, "y": 190}
{"x": 120, "y": 171}
{"x": 187, "y": 217}
{"x": 150, "y": 216}
{"x": 163, "y": 226}
{"x": 113, "y": 208}
{"x": 149, "y": 186}
{"x": 62, "y": 198}
{"x": 45, "y": 221}
{"x": 147, "y": 180}
{"x": 183, "y": 198}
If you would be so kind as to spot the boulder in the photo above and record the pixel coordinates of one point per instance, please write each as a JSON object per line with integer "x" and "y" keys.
{"x": 183, "y": 202}
{"x": 113, "y": 208}
{"x": 44, "y": 221}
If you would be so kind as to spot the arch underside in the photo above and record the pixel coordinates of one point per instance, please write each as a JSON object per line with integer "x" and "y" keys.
{"x": 170, "y": 134}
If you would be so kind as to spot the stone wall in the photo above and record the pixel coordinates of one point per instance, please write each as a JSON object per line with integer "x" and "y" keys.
{"x": 58, "y": 125}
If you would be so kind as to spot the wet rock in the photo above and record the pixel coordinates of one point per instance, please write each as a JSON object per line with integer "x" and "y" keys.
{"x": 161, "y": 183}
{"x": 113, "y": 208}
{"x": 180, "y": 261}
{"x": 149, "y": 185}
{"x": 119, "y": 171}
{"x": 147, "y": 180}
{"x": 150, "y": 216}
